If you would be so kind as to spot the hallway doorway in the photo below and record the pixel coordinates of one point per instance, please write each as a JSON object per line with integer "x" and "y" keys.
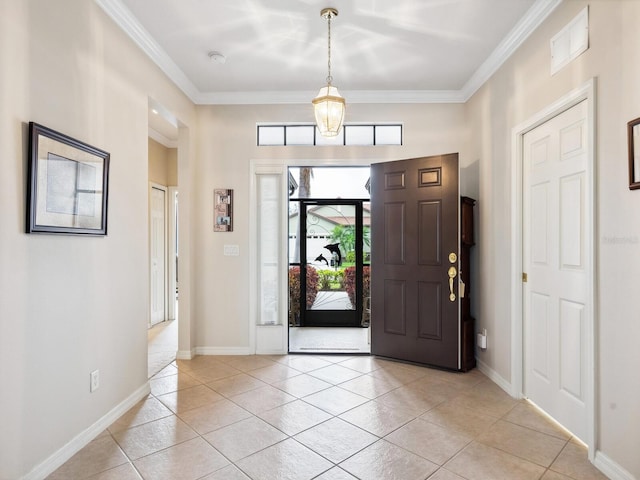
{"x": 162, "y": 337}
{"x": 162, "y": 322}
{"x": 162, "y": 334}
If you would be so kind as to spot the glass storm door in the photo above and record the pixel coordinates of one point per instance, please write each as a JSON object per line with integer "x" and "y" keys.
{"x": 332, "y": 261}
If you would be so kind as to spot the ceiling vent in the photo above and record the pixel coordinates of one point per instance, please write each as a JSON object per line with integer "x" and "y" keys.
{"x": 570, "y": 42}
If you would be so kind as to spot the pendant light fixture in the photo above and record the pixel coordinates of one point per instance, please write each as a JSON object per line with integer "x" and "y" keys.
{"x": 329, "y": 105}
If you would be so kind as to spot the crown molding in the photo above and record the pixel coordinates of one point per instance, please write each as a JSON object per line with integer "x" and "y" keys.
{"x": 538, "y": 12}
{"x": 141, "y": 37}
{"x": 123, "y": 17}
{"x": 404, "y": 96}
{"x": 352, "y": 96}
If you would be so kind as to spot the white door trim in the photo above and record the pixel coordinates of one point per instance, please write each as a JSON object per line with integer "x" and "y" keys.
{"x": 271, "y": 339}
{"x": 172, "y": 252}
{"x": 586, "y": 92}
{"x": 162, "y": 188}
{"x": 279, "y": 166}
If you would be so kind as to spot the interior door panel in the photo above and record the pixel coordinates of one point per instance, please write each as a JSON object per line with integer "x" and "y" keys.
{"x": 415, "y": 226}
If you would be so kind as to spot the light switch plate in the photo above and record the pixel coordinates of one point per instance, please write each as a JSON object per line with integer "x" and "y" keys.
{"x": 231, "y": 250}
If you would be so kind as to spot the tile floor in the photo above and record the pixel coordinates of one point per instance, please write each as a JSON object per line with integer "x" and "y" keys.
{"x": 162, "y": 341}
{"x": 299, "y": 417}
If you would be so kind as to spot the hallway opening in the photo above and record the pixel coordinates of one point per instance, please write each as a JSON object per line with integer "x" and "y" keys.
{"x": 163, "y": 142}
{"x": 162, "y": 334}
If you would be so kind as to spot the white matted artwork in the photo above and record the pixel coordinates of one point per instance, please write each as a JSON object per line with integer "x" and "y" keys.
{"x": 222, "y": 210}
{"x": 68, "y": 184}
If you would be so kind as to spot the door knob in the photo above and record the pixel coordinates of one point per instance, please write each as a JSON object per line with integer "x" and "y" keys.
{"x": 452, "y": 274}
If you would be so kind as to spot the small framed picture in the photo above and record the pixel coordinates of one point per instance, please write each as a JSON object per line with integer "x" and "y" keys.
{"x": 223, "y": 210}
{"x": 633, "y": 135}
{"x": 68, "y": 184}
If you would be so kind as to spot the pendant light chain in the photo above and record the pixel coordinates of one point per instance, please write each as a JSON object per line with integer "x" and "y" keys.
{"x": 329, "y": 77}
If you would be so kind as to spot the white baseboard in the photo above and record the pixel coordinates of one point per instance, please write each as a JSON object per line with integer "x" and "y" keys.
{"x": 224, "y": 351}
{"x": 189, "y": 354}
{"x": 610, "y": 468}
{"x": 277, "y": 351}
{"x": 185, "y": 354}
{"x": 496, "y": 378}
{"x": 81, "y": 440}
{"x": 271, "y": 340}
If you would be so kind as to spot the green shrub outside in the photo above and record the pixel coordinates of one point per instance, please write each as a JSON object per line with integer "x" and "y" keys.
{"x": 330, "y": 279}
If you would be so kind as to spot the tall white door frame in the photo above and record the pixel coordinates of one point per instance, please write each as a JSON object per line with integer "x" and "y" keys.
{"x": 172, "y": 250}
{"x": 267, "y": 338}
{"x": 270, "y": 339}
{"x": 170, "y": 247}
{"x": 586, "y": 92}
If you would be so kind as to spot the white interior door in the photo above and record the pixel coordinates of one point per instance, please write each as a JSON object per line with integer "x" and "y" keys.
{"x": 158, "y": 255}
{"x": 557, "y": 228}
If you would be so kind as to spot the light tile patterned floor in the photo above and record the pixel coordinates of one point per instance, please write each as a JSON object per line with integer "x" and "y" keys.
{"x": 162, "y": 341}
{"x": 301, "y": 417}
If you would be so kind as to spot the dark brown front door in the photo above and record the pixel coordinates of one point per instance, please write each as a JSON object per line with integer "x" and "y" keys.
{"x": 414, "y": 300}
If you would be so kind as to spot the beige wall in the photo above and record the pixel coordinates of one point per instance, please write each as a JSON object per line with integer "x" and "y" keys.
{"x": 227, "y": 144}
{"x": 172, "y": 167}
{"x": 521, "y": 88}
{"x": 71, "y": 304}
{"x": 163, "y": 164}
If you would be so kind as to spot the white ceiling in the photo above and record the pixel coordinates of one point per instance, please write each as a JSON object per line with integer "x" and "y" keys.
{"x": 276, "y": 50}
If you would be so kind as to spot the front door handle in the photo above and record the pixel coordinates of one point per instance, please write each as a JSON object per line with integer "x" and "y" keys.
{"x": 452, "y": 274}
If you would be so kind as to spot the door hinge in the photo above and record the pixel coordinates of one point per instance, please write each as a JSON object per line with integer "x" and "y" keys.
{"x": 524, "y": 277}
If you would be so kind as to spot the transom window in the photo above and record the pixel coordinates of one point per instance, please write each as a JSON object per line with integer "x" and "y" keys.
{"x": 350, "y": 135}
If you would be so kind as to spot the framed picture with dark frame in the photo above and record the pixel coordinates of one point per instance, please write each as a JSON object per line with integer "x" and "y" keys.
{"x": 67, "y": 188}
{"x": 633, "y": 135}
{"x": 223, "y": 210}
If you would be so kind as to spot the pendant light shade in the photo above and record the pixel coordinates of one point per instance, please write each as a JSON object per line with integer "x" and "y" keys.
{"x": 329, "y": 105}
{"x": 329, "y": 108}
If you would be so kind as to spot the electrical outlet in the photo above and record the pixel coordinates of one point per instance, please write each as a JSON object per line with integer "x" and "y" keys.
{"x": 482, "y": 339}
{"x": 95, "y": 381}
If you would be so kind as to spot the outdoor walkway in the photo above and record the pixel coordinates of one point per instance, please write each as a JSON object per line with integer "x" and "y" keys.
{"x": 332, "y": 300}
